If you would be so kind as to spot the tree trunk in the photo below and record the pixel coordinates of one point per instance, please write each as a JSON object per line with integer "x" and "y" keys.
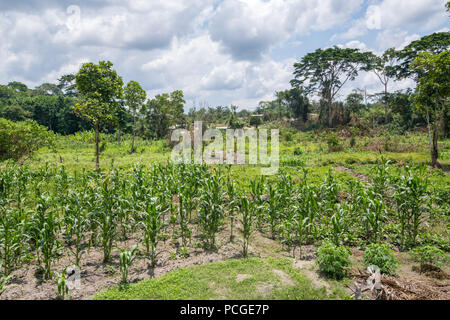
{"x": 434, "y": 149}
{"x": 97, "y": 151}
{"x": 330, "y": 112}
{"x": 134, "y": 134}
{"x": 385, "y": 104}
{"x": 433, "y": 136}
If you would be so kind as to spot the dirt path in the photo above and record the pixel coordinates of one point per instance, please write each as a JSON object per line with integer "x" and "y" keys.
{"x": 354, "y": 173}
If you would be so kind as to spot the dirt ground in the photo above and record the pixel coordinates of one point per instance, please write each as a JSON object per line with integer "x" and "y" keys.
{"x": 97, "y": 276}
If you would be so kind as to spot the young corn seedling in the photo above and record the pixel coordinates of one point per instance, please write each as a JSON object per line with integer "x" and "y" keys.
{"x": 183, "y": 218}
{"x": 257, "y": 190}
{"x": 127, "y": 258}
{"x": 247, "y": 210}
{"x": 63, "y": 287}
{"x": 4, "y": 280}
{"x": 272, "y": 206}
{"x": 232, "y": 205}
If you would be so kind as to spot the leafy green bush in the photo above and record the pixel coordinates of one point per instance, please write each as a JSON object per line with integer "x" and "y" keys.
{"x": 429, "y": 254}
{"x": 382, "y": 256}
{"x": 333, "y": 260}
{"x": 20, "y": 139}
{"x": 333, "y": 143}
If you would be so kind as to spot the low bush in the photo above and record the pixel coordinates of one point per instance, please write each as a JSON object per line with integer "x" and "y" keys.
{"x": 20, "y": 139}
{"x": 429, "y": 255}
{"x": 333, "y": 260}
{"x": 382, "y": 256}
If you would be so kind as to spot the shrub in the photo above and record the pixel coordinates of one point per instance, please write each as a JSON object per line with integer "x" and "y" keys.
{"x": 333, "y": 143}
{"x": 297, "y": 151}
{"x": 429, "y": 254}
{"x": 333, "y": 260}
{"x": 382, "y": 256}
{"x": 20, "y": 139}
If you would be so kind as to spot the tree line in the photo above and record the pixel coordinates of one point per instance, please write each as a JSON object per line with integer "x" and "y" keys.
{"x": 97, "y": 98}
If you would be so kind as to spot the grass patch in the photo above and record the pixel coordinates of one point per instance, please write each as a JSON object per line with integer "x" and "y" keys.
{"x": 241, "y": 279}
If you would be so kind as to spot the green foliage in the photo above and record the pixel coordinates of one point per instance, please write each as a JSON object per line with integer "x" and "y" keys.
{"x": 63, "y": 287}
{"x": 100, "y": 88}
{"x": 247, "y": 209}
{"x": 211, "y": 208}
{"x": 327, "y": 71}
{"x": 4, "y": 280}
{"x": 380, "y": 255}
{"x": 429, "y": 255}
{"x": 152, "y": 225}
{"x": 333, "y": 260}
{"x": 333, "y": 143}
{"x": 410, "y": 195}
{"x": 127, "y": 258}
{"x": 21, "y": 139}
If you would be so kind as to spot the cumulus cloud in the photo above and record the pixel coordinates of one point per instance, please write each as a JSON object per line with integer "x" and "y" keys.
{"x": 223, "y": 52}
{"x": 247, "y": 29}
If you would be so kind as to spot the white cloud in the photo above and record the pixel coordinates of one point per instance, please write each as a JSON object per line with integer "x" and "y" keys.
{"x": 222, "y": 52}
{"x": 247, "y": 29}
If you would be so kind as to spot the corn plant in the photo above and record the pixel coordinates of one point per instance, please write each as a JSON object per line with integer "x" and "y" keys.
{"x": 78, "y": 223}
{"x": 382, "y": 177}
{"x": 45, "y": 225}
{"x": 257, "y": 190}
{"x": 329, "y": 193}
{"x": 62, "y": 285}
{"x": 338, "y": 223}
{"x": 183, "y": 218}
{"x": 373, "y": 218}
{"x": 127, "y": 258}
{"x": 248, "y": 212}
{"x": 211, "y": 209}
{"x": 301, "y": 224}
{"x": 410, "y": 197}
{"x": 152, "y": 224}
{"x": 232, "y": 204}
{"x": 11, "y": 246}
{"x": 272, "y": 206}
{"x": 4, "y": 280}
{"x": 107, "y": 220}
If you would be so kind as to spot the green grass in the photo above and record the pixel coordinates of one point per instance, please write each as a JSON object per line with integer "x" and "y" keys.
{"x": 219, "y": 280}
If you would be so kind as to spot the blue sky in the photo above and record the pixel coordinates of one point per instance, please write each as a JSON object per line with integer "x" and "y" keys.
{"x": 217, "y": 52}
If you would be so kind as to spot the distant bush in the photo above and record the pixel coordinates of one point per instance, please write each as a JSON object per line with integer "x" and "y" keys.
{"x": 333, "y": 143}
{"x": 333, "y": 260}
{"x": 297, "y": 151}
{"x": 20, "y": 139}
{"x": 382, "y": 256}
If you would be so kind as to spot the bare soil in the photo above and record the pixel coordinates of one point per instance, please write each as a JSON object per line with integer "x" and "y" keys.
{"x": 410, "y": 283}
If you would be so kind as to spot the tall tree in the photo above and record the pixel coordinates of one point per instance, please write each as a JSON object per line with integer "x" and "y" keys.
{"x": 134, "y": 98}
{"x": 67, "y": 84}
{"x": 383, "y": 66}
{"x": 327, "y": 71}
{"x": 432, "y": 93}
{"x": 433, "y": 43}
{"x": 100, "y": 88}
